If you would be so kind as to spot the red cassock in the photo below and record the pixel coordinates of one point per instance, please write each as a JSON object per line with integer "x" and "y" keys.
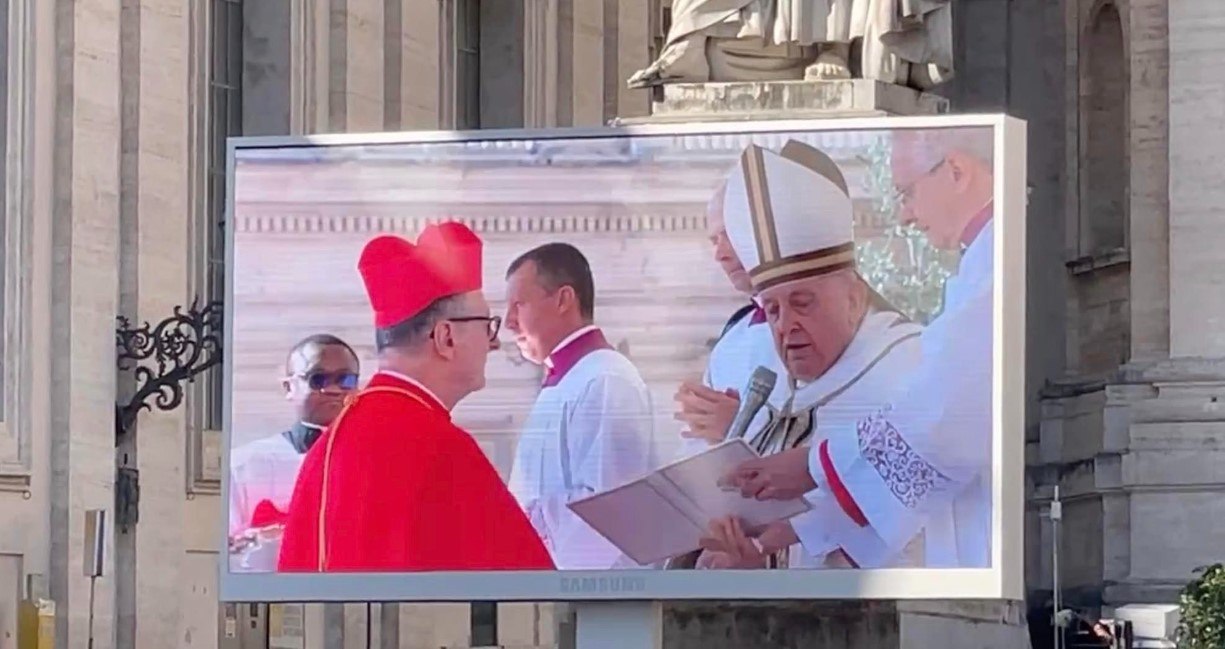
{"x": 395, "y": 486}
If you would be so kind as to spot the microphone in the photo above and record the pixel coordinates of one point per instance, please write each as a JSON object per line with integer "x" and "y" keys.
{"x": 761, "y": 384}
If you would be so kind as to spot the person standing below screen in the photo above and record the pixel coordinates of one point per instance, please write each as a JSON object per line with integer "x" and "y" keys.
{"x": 591, "y": 427}
{"x": 923, "y": 461}
{"x": 319, "y": 372}
{"x": 708, "y": 408}
{"x": 790, "y": 219}
{"x": 395, "y": 484}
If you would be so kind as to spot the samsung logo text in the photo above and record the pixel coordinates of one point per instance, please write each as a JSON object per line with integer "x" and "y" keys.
{"x": 590, "y": 585}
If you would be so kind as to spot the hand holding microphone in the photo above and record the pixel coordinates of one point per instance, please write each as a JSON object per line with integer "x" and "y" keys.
{"x": 761, "y": 384}
{"x": 707, "y": 413}
{"x": 717, "y": 416}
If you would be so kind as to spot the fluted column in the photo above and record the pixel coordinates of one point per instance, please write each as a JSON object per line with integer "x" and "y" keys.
{"x": 84, "y": 185}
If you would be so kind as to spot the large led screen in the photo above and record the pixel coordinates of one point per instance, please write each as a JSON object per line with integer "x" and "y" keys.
{"x": 729, "y": 360}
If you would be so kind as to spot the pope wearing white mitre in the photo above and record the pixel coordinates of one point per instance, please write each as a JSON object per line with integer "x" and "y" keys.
{"x": 789, "y": 218}
{"x": 923, "y": 462}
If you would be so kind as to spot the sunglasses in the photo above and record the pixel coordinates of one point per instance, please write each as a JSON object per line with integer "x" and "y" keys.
{"x": 319, "y": 381}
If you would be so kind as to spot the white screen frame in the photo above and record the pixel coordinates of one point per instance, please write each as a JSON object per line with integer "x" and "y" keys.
{"x": 1004, "y": 580}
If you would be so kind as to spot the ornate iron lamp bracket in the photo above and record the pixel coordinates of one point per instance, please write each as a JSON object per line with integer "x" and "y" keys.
{"x": 165, "y": 357}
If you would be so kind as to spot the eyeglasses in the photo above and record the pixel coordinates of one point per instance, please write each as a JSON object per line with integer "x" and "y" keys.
{"x": 319, "y": 381}
{"x": 906, "y": 193}
{"x": 494, "y": 323}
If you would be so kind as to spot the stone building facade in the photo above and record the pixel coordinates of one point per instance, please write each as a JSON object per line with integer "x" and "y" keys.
{"x": 115, "y": 114}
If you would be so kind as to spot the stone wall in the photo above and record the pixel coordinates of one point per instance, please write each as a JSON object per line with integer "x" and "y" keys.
{"x": 114, "y": 103}
{"x": 109, "y": 125}
{"x": 1196, "y": 138}
{"x": 838, "y": 625}
{"x": 1131, "y": 433}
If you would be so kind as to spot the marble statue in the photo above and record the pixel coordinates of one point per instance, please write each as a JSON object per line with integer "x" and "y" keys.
{"x": 902, "y": 42}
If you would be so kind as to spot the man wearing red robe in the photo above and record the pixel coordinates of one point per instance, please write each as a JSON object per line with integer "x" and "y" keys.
{"x": 394, "y": 485}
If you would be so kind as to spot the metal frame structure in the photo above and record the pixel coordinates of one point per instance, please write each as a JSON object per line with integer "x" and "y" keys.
{"x": 1004, "y": 580}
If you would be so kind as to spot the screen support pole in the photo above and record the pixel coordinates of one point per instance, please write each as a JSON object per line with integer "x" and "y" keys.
{"x": 618, "y": 625}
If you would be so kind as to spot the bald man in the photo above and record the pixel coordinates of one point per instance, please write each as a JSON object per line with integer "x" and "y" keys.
{"x": 707, "y": 408}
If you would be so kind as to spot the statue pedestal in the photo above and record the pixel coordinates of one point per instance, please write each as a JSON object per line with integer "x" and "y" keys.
{"x": 968, "y": 624}
{"x": 823, "y": 624}
{"x": 746, "y": 100}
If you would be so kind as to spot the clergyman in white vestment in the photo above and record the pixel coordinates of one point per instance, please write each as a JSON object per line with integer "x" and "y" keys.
{"x": 320, "y": 371}
{"x": 591, "y": 427}
{"x": 744, "y": 345}
{"x": 922, "y": 463}
{"x": 845, "y": 350}
{"x": 925, "y": 460}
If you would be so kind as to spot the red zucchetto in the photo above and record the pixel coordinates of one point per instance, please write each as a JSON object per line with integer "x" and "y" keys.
{"x": 402, "y": 278}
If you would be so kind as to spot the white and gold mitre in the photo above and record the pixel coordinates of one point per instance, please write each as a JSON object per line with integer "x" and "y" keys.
{"x": 788, "y": 215}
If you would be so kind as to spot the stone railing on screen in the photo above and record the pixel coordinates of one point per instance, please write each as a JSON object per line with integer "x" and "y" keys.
{"x": 324, "y": 221}
{"x": 358, "y": 220}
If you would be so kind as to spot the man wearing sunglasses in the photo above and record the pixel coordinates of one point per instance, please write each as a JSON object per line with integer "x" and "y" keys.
{"x": 320, "y": 370}
{"x": 395, "y": 485}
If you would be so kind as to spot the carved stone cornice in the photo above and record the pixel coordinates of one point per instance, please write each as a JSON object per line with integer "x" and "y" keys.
{"x": 375, "y": 223}
{"x": 371, "y": 219}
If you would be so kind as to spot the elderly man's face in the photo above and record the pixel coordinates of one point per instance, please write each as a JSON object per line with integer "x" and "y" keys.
{"x": 929, "y": 190}
{"x": 814, "y": 320}
{"x": 721, "y": 246}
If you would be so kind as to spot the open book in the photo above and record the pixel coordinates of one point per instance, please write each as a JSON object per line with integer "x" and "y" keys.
{"x": 667, "y": 512}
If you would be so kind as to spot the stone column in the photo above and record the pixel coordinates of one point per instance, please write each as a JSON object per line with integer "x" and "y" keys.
{"x": 587, "y": 70}
{"x": 362, "y": 95}
{"x": 577, "y": 55}
{"x": 419, "y": 65}
{"x": 268, "y": 80}
{"x": 154, "y": 220}
{"x": 501, "y": 64}
{"x": 633, "y": 37}
{"x": 1197, "y": 151}
{"x": 539, "y": 64}
{"x": 1162, "y": 446}
{"x": 28, "y": 489}
{"x": 84, "y": 212}
{"x": 340, "y": 66}
{"x": 337, "y": 66}
{"x": 344, "y": 47}
{"x": 1149, "y": 156}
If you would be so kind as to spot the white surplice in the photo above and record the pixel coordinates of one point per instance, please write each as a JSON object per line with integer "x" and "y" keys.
{"x": 923, "y": 462}
{"x": 872, "y": 369}
{"x": 264, "y": 469}
{"x": 590, "y": 430}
